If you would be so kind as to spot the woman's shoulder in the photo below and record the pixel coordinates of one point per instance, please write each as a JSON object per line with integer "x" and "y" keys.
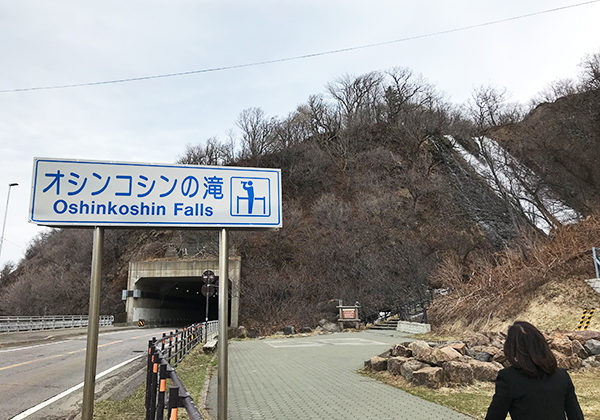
{"x": 509, "y": 371}
{"x": 512, "y": 372}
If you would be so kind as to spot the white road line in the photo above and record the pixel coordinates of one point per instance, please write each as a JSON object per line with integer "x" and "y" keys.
{"x": 46, "y": 403}
{"x": 31, "y": 347}
{"x": 71, "y": 339}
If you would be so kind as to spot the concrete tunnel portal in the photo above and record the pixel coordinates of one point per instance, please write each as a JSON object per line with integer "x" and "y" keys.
{"x": 170, "y": 291}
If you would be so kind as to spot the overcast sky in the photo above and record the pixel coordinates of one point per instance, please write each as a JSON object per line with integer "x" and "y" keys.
{"x": 63, "y": 42}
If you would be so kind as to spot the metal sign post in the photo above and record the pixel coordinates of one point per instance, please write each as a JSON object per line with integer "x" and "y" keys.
{"x": 223, "y": 318}
{"x": 91, "y": 351}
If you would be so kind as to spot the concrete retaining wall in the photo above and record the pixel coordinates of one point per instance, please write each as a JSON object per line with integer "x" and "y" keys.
{"x": 413, "y": 327}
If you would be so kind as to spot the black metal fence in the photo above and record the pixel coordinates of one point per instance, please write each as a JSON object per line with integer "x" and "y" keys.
{"x": 163, "y": 356}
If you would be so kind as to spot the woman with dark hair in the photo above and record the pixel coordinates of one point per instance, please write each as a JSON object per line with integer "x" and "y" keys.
{"x": 532, "y": 387}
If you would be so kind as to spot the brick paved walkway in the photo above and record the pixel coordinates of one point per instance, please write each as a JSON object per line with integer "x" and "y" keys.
{"x": 315, "y": 378}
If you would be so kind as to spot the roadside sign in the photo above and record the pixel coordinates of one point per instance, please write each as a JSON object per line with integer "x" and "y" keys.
{"x": 68, "y": 192}
{"x": 349, "y": 313}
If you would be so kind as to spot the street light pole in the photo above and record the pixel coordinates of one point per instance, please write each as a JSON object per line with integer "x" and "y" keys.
{"x": 12, "y": 184}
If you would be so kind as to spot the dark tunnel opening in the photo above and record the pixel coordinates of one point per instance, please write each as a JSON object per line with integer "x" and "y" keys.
{"x": 178, "y": 300}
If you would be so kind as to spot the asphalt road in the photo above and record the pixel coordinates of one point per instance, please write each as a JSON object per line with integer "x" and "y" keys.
{"x": 32, "y": 374}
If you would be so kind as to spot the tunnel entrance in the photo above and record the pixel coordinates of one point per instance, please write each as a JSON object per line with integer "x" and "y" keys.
{"x": 169, "y": 292}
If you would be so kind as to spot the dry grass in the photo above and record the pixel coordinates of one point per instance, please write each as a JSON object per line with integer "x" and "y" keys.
{"x": 474, "y": 400}
{"x": 543, "y": 285}
{"x": 193, "y": 371}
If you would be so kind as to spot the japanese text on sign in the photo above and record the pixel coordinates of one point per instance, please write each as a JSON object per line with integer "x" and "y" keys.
{"x": 72, "y": 192}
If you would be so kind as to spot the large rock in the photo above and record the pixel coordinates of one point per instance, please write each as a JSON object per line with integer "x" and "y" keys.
{"x": 476, "y": 339}
{"x": 591, "y": 362}
{"x": 329, "y": 310}
{"x": 329, "y": 326}
{"x": 567, "y": 362}
{"x": 578, "y": 350}
{"x": 592, "y": 346}
{"x": 400, "y": 350}
{"x": 561, "y": 343}
{"x": 241, "y": 332}
{"x": 420, "y": 350}
{"x": 378, "y": 363}
{"x": 583, "y": 336}
{"x": 409, "y": 367}
{"x": 487, "y": 349}
{"x": 431, "y": 377}
{"x": 458, "y": 373}
{"x": 289, "y": 330}
{"x": 459, "y": 347}
{"x": 483, "y": 356}
{"x": 485, "y": 371}
{"x": 387, "y": 354}
{"x": 501, "y": 359}
{"x": 394, "y": 364}
{"x": 444, "y": 354}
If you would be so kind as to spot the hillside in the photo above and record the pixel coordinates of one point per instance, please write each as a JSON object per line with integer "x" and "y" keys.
{"x": 543, "y": 284}
{"x": 378, "y": 208}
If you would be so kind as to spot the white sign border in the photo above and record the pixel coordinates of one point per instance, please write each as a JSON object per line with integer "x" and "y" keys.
{"x": 198, "y": 225}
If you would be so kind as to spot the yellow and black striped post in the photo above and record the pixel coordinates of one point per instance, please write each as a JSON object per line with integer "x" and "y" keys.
{"x": 587, "y": 323}
{"x": 582, "y": 320}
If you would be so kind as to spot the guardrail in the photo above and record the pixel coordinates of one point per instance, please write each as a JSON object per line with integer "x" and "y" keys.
{"x": 163, "y": 356}
{"x": 30, "y": 323}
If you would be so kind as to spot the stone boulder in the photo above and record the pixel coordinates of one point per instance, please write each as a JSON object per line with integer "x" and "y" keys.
{"x": 459, "y": 347}
{"x": 491, "y": 350}
{"x": 591, "y": 362}
{"x": 483, "y": 356}
{"x": 561, "y": 343}
{"x": 378, "y": 364}
{"x": 430, "y": 377}
{"x": 592, "y": 346}
{"x": 476, "y": 339}
{"x": 458, "y": 373}
{"x": 386, "y": 354}
{"x": 241, "y": 332}
{"x": 420, "y": 350}
{"x": 583, "y": 336}
{"x": 485, "y": 371}
{"x": 329, "y": 326}
{"x": 501, "y": 359}
{"x": 445, "y": 354}
{"x": 579, "y": 350}
{"x": 400, "y": 350}
{"x": 409, "y": 367}
{"x": 328, "y": 309}
{"x": 394, "y": 364}
{"x": 567, "y": 362}
{"x": 289, "y": 330}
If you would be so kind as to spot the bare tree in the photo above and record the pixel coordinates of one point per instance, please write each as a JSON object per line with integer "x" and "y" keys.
{"x": 489, "y": 108}
{"x": 591, "y": 72}
{"x": 556, "y": 89}
{"x": 211, "y": 153}
{"x": 359, "y": 97}
{"x": 257, "y": 133}
{"x": 405, "y": 92}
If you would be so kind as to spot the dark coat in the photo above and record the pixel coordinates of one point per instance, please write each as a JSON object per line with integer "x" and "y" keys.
{"x": 532, "y": 398}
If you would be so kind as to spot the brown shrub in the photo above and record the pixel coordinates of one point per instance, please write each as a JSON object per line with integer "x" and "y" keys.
{"x": 501, "y": 287}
